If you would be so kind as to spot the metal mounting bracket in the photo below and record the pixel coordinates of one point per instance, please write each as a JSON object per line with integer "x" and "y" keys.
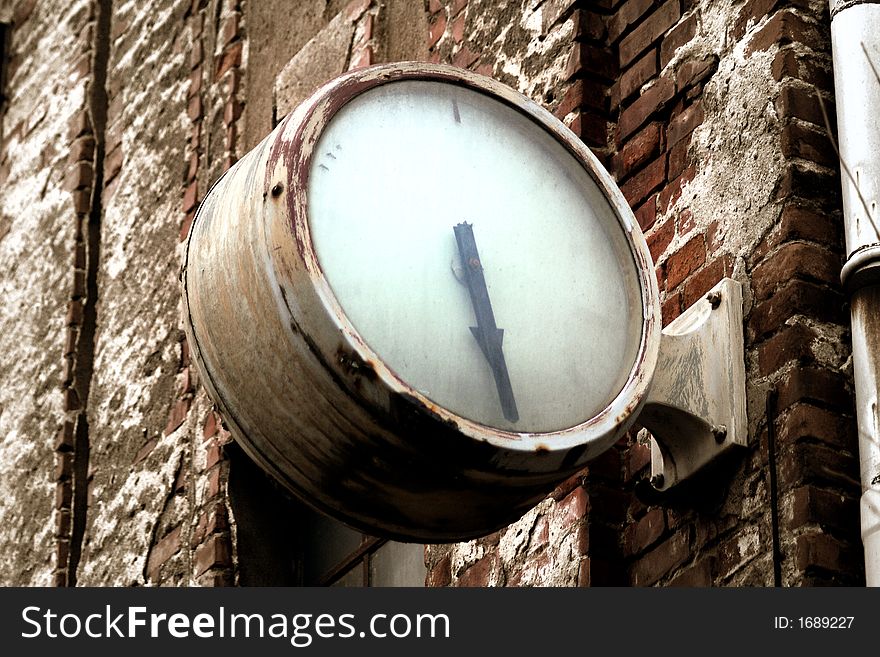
{"x": 696, "y": 408}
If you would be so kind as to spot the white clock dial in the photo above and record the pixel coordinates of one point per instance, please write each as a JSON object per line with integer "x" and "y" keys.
{"x": 392, "y": 175}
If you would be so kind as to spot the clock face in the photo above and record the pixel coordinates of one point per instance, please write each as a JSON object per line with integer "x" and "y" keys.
{"x": 475, "y": 256}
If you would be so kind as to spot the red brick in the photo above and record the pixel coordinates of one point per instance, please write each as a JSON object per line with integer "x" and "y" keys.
{"x": 653, "y": 99}
{"x": 802, "y": 103}
{"x": 673, "y": 191}
{"x": 639, "y": 149}
{"x": 817, "y": 464}
{"x": 82, "y": 149}
{"x": 792, "y": 343}
{"x": 626, "y": 16}
{"x": 661, "y": 561}
{"x": 185, "y": 225}
{"x": 800, "y": 223}
{"x": 229, "y": 59}
{"x": 796, "y": 297}
{"x": 646, "y": 214}
{"x": 783, "y": 28}
{"x": 62, "y": 523}
{"x": 587, "y": 58}
{"x": 828, "y": 509}
{"x": 697, "y": 575}
{"x": 795, "y": 260}
{"x": 551, "y": 12}
{"x": 195, "y": 82}
{"x": 587, "y": 25}
{"x": 695, "y": 71}
{"x": 645, "y": 532}
{"x": 63, "y": 494}
{"x": 685, "y": 123}
{"x": 232, "y": 110}
{"x": 671, "y": 307}
{"x": 78, "y": 176}
{"x": 651, "y": 29}
{"x": 638, "y": 458}
{"x": 436, "y": 30}
{"x": 79, "y": 125}
{"x": 162, "y": 551}
{"x": 22, "y": 11}
{"x": 815, "y": 385}
{"x": 113, "y": 164}
{"x": 704, "y": 280}
{"x": 636, "y": 75}
{"x": 214, "y": 482}
{"x": 440, "y": 574}
{"x": 213, "y": 553}
{"x": 64, "y": 438}
{"x": 479, "y": 574}
{"x": 177, "y": 415}
{"x": 572, "y": 509}
{"x": 809, "y": 143}
{"x": 145, "y": 450}
{"x": 593, "y": 130}
{"x": 465, "y": 57}
{"x": 807, "y": 422}
{"x": 677, "y": 37}
{"x": 434, "y": 6}
{"x": 213, "y": 457}
{"x": 637, "y": 188}
{"x": 659, "y": 238}
{"x": 824, "y": 551}
{"x": 790, "y": 63}
{"x": 685, "y": 261}
{"x": 190, "y": 197}
{"x": 229, "y": 30}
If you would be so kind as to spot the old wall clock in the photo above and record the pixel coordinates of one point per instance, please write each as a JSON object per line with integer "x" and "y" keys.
{"x": 420, "y": 303}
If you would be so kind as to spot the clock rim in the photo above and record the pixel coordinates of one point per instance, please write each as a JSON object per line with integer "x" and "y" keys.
{"x": 593, "y": 435}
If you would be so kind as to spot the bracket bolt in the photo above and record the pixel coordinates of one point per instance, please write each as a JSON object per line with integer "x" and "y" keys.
{"x": 714, "y": 299}
{"x": 657, "y": 481}
{"x": 719, "y": 433}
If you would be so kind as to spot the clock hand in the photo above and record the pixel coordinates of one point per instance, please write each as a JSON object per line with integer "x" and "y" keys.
{"x": 487, "y": 334}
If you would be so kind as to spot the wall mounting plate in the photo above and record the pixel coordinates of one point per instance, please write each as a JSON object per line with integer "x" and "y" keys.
{"x": 696, "y": 408}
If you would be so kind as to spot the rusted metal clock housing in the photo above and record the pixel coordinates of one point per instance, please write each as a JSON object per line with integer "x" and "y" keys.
{"x": 308, "y": 399}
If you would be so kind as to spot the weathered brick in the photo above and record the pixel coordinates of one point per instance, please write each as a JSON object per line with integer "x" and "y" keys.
{"x": 677, "y": 37}
{"x": 661, "y": 560}
{"x": 698, "y": 284}
{"x": 800, "y": 260}
{"x": 815, "y": 385}
{"x": 230, "y": 58}
{"x": 809, "y": 143}
{"x": 678, "y": 159}
{"x": 465, "y": 57}
{"x": 810, "y": 463}
{"x": 440, "y": 574}
{"x": 824, "y": 551}
{"x": 796, "y": 297}
{"x": 213, "y": 553}
{"x": 646, "y": 213}
{"x": 685, "y": 261}
{"x": 588, "y": 25}
{"x": 177, "y": 415}
{"x": 62, "y": 523}
{"x": 626, "y": 16}
{"x": 190, "y": 196}
{"x": 162, "y": 551}
{"x": 694, "y": 71}
{"x": 642, "y": 183}
{"x": 786, "y": 27}
{"x": 638, "y": 458}
{"x": 799, "y": 102}
{"x": 673, "y": 191}
{"x": 82, "y": 149}
{"x": 588, "y": 58}
{"x": 552, "y": 11}
{"x": 671, "y": 307}
{"x": 659, "y": 238}
{"x": 653, "y": 99}
{"x": 700, "y": 574}
{"x": 79, "y": 175}
{"x": 807, "y": 422}
{"x": 436, "y": 29}
{"x": 792, "y": 343}
{"x": 645, "y": 532}
{"x": 685, "y": 123}
{"x": 572, "y": 509}
{"x": 113, "y": 164}
{"x": 480, "y": 573}
{"x": 829, "y": 509}
{"x": 642, "y": 147}
{"x": 635, "y": 76}
{"x": 649, "y": 31}
{"x": 64, "y": 438}
{"x": 63, "y": 494}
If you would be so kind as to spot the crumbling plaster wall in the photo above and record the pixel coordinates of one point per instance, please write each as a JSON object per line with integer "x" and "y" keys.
{"x": 36, "y": 244}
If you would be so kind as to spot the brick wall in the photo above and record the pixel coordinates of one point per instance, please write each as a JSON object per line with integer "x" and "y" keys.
{"x": 705, "y": 112}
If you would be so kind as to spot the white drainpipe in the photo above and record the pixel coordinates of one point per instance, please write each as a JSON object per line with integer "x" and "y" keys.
{"x": 855, "y": 36}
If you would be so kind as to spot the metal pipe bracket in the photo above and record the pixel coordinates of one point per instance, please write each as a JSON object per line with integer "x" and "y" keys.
{"x": 696, "y": 407}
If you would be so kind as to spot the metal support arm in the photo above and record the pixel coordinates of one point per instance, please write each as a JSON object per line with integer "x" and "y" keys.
{"x": 696, "y": 409}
